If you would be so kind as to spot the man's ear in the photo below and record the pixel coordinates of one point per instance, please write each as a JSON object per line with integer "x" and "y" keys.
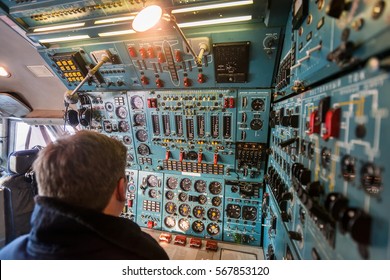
{"x": 121, "y": 190}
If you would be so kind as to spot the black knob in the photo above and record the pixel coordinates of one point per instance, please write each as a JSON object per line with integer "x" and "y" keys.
{"x": 294, "y": 121}
{"x": 336, "y": 7}
{"x": 295, "y": 235}
{"x": 304, "y": 176}
{"x": 315, "y": 189}
{"x": 288, "y": 142}
{"x": 358, "y": 223}
{"x": 336, "y": 204}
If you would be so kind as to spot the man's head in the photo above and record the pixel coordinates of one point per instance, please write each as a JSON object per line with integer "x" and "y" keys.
{"x": 84, "y": 169}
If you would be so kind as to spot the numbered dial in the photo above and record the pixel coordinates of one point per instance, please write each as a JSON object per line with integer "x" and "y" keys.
{"x": 172, "y": 183}
{"x": 183, "y": 197}
{"x": 124, "y": 126}
{"x": 216, "y": 201}
{"x": 258, "y": 104}
{"x": 184, "y": 224}
{"x": 139, "y": 119}
{"x": 213, "y": 229}
{"x": 121, "y": 112}
{"x": 215, "y": 187}
{"x": 249, "y": 213}
{"x": 213, "y": 214}
{"x": 202, "y": 199}
{"x": 184, "y": 210}
{"x": 256, "y": 124}
{"x": 169, "y": 222}
{"x": 169, "y": 195}
{"x": 137, "y": 102}
{"x": 200, "y": 186}
{"x": 185, "y": 184}
{"x": 143, "y": 150}
{"x": 152, "y": 193}
{"x": 198, "y": 212}
{"x": 141, "y": 135}
{"x": 170, "y": 207}
{"x": 233, "y": 211}
{"x": 152, "y": 181}
{"x": 198, "y": 226}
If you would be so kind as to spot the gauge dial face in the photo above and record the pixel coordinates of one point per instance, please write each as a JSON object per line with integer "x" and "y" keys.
{"x": 121, "y": 112}
{"x": 215, "y": 187}
{"x": 137, "y": 102}
{"x": 198, "y": 226}
{"x": 139, "y": 119}
{"x": 185, "y": 184}
{"x": 256, "y": 124}
{"x": 258, "y": 104}
{"x": 141, "y": 135}
{"x": 184, "y": 210}
{"x": 184, "y": 224}
{"x": 191, "y": 155}
{"x": 170, "y": 207}
{"x": 183, "y": 196}
{"x": 216, "y": 201}
{"x": 202, "y": 199}
{"x": 213, "y": 229}
{"x": 200, "y": 186}
{"x": 169, "y": 222}
{"x": 169, "y": 195}
{"x": 198, "y": 212}
{"x": 152, "y": 193}
{"x": 124, "y": 126}
{"x": 152, "y": 181}
{"x": 172, "y": 183}
{"x": 249, "y": 213}
{"x": 233, "y": 211}
{"x": 213, "y": 214}
{"x": 143, "y": 150}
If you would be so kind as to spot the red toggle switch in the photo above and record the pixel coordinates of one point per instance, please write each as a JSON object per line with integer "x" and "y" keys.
{"x": 187, "y": 82}
{"x": 232, "y": 102}
{"x": 152, "y": 102}
{"x": 167, "y": 155}
{"x": 226, "y": 103}
{"x": 201, "y": 78}
{"x": 151, "y": 52}
{"x": 143, "y": 53}
{"x": 130, "y": 203}
{"x": 159, "y": 83}
{"x": 215, "y": 158}
{"x": 150, "y": 224}
{"x": 144, "y": 80}
{"x": 314, "y": 123}
{"x": 332, "y": 124}
{"x": 181, "y": 156}
{"x": 161, "y": 57}
{"x": 132, "y": 51}
{"x": 200, "y": 157}
{"x": 178, "y": 56}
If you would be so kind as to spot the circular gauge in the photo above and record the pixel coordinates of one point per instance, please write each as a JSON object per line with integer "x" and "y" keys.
{"x": 198, "y": 212}
{"x": 202, "y": 199}
{"x": 137, "y": 102}
{"x": 200, "y": 186}
{"x": 172, "y": 183}
{"x": 191, "y": 155}
{"x": 256, "y": 124}
{"x": 184, "y": 209}
{"x": 249, "y": 213}
{"x": 109, "y": 106}
{"x": 213, "y": 214}
{"x": 215, "y": 187}
{"x": 185, "y": 184}
{"x": 184, "y": 224}
{"x": 153, "y": 193}
{"x": 121, "y": 112}
{"x": 258, "y": 104}
{"x": 169, "y": 195}
{"x": 127, "y": 140}
{"x": 143, "y": 150}
{"x": 233, "y": 211}
{"x": 139, "y": 119}
{"x": 152, "y": 180}
{"x": 213, "y": 229}
{"x": 216, "y": 201}
{"x": 124, "y": 126}
{"x": 141, "y": 135}
{"x": 169, "y": 222}
{"x": 170, "y": 207}
{"x": 198, "y": 226}
{"x": 183, "y": 196}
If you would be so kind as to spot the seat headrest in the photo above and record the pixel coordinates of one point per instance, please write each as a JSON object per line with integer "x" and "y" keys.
{"x": 19, "y": 162}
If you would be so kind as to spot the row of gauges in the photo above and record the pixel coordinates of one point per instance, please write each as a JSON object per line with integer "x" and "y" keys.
{"x": 197, "y": 226}
{"x": 198, "y": 211}
{"x": 236, "y": 211}
{"x": 200, "y": 185}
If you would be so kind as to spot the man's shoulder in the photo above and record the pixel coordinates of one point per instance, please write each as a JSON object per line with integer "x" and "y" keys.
{"x": 16, "y": 250}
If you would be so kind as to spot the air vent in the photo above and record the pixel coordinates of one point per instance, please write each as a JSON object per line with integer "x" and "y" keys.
{"x": 40, "y": 71}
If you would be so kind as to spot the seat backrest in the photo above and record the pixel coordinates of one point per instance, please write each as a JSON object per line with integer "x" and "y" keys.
{"x": 19, "y": 191}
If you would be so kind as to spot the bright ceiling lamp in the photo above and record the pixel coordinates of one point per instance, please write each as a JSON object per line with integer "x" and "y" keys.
{"x": 215, "y": 21}
{"x": 4, "y": 72}
{"x": 64, "y": 39}
{"x": 59, "y": 27}
{"x": 151, "y": 16}
{"x": 213, "y": 6}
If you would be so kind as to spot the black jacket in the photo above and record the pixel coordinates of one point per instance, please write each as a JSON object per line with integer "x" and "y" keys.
{"x": 62, "y": 231}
